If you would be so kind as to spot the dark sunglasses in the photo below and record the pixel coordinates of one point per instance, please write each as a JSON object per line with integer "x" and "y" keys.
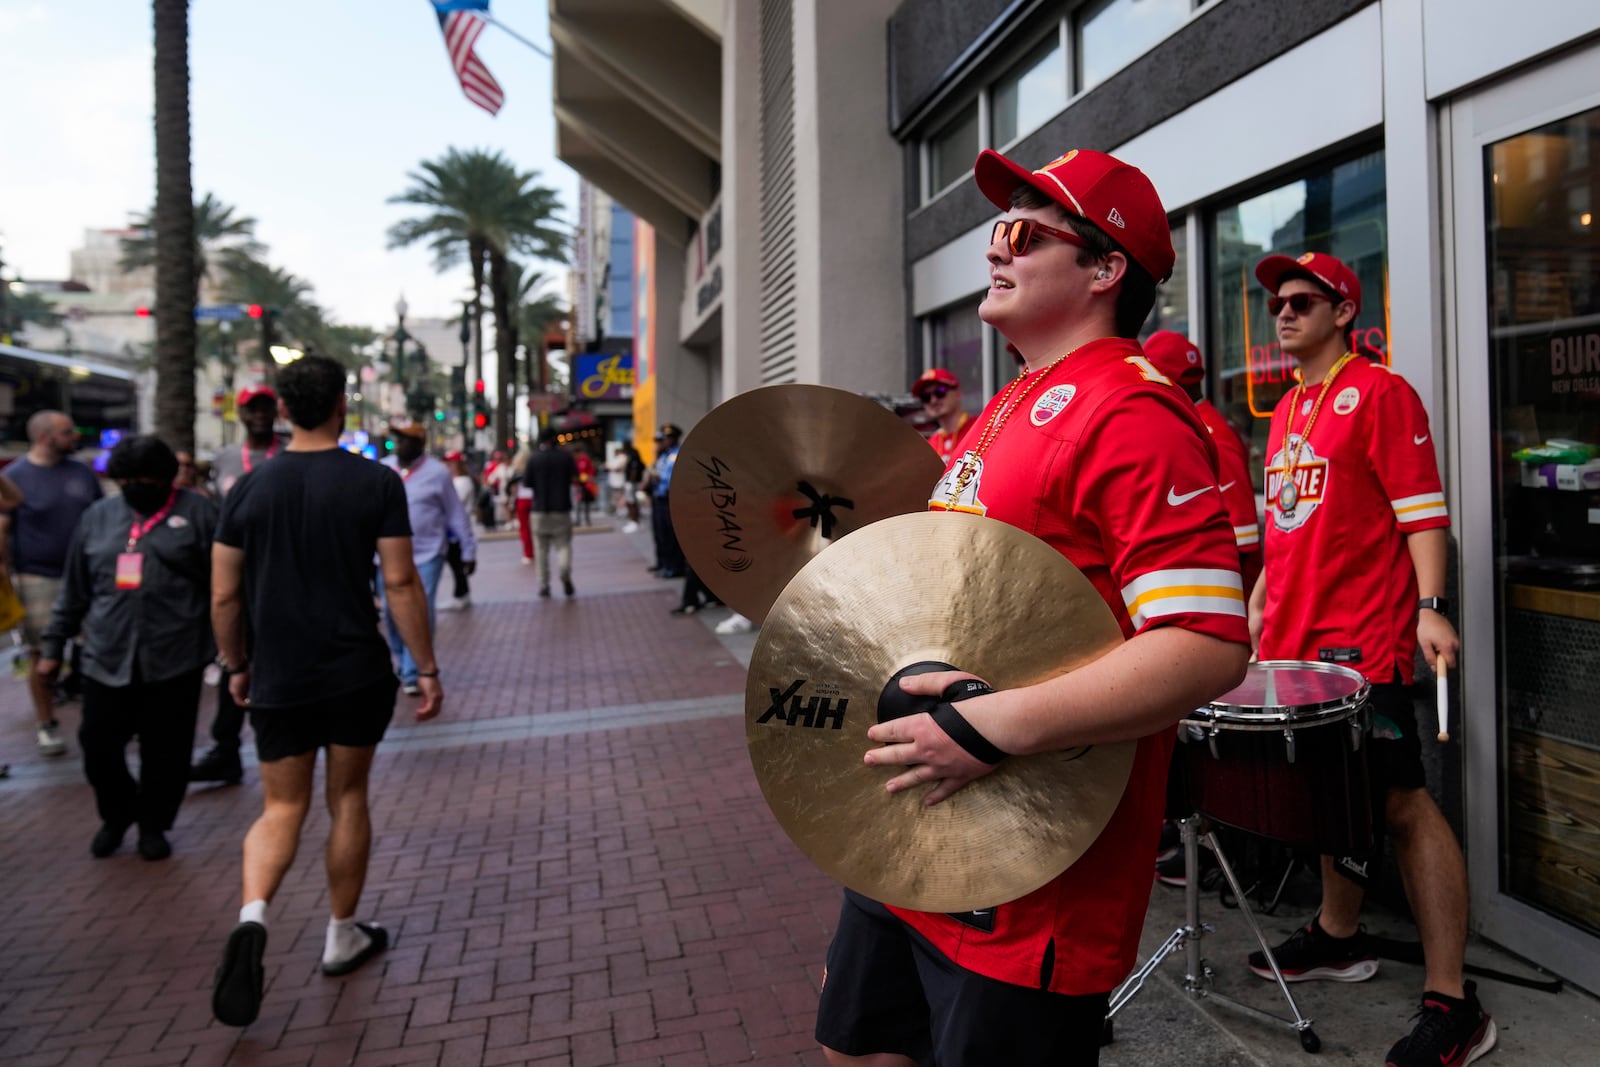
{"x": 937, "y": 392}
{"x": 1018, "y": 234}
{"x": 1300, "y": 302}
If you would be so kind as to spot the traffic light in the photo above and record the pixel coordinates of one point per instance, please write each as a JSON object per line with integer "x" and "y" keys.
{"x": 143, "y": 313}
{"x": 255, "y": 311}
{"x": 438, "y": 416}
{"x": 480, "y": 420}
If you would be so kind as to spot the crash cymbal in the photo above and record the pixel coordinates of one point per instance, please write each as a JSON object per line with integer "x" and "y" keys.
{"x": 771, "y": 477}
{"x": 959, "y": 589}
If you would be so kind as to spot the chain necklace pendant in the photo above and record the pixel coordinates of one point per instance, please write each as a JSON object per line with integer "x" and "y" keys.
{"x": 1288, "y": 497}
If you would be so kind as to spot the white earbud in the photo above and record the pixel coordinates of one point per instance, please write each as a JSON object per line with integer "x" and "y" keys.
{"x": 1102, "y": 273}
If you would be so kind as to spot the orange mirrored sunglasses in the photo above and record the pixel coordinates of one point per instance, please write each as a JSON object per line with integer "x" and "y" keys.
{"x": 1018, "y": 234}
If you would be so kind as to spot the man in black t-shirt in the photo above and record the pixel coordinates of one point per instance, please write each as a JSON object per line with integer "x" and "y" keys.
{"x": 550, "y": 475}
{"x": 293, "y": 554}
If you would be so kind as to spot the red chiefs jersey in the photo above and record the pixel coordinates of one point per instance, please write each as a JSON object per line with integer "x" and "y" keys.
{"x": 1107, "y": 462}
{"x": 946, "y": 443}
{"x": 1339, "y": 575}
{"x": 1238, "y": 493}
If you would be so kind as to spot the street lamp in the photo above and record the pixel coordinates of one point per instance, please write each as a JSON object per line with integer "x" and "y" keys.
{"x": 400, "y": 309}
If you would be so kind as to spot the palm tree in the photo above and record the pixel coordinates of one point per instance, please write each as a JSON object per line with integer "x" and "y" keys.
{"x": 177, "y": 275}
{"x": 534, "y": 309}
{"x": 221, "y": 239}
{"x": 481, "y": 208}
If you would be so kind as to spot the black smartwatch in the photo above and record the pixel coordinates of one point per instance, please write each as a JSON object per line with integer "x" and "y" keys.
{"x": 1437, "y": 603}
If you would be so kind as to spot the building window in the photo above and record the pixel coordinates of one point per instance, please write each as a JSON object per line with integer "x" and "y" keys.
{"x": 1337, "y": 209}
{"x": 957, "y": 343}
{"x": 1171, "y": 309}
{"x": 1112, "y": 33}
{"x": 952, "y": 149}
{"x": 1031, "y": 92}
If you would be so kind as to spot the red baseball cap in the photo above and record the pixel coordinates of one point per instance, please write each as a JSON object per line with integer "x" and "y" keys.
{"x": 255, "y": 392}
{"x": 934, "y": 376}
{"x": 454, "y": 457}
{"x": 1100, "y": 189}
{"x": 1318, "y": 266}
{"x": 1175, "y": 356}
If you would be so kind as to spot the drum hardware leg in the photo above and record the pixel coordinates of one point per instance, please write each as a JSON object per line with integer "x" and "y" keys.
{"x": 1300, "y": 1024}
{"x": 1186, "y": 936}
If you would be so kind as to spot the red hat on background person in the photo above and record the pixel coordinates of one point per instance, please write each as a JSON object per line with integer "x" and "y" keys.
{"x": 454, "y": 457}
{"x": 934, "y": 376}
{"x": 1116, "y": 198}
{"x": 256, "y": 392}
{"x": 1330, "y": 273}
{"x": 1175, "y": 356}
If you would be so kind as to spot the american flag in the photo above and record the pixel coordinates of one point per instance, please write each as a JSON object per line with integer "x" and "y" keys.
{"x": 461, "y": 22}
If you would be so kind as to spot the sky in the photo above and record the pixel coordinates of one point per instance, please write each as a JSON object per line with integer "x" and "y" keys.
{"x": 305, "y": 114}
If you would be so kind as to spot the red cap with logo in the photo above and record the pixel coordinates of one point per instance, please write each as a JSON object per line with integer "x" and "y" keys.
{"x": 1100, "y": 189}
{"x": 1175, "y": 356}
{"x": 256, "y": 392}
{"x": 934, "y": 376}
{"x": 1320, "y": 267}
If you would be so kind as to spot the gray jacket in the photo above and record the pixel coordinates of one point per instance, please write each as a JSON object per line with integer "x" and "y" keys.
{"x": 164, "y": 626}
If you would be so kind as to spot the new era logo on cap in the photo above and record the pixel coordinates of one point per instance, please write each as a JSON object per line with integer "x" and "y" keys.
{"x": 1115, "y": 218}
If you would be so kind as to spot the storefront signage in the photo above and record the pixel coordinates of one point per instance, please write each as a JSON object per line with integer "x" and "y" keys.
{"x": 603, "y": 376}
{"x": 1575, "y": 363}
{"x": 1268, "y": 365}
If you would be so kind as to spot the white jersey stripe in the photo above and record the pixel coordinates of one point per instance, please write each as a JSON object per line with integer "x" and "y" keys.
{"x": 1157, "y": 580}
{"x": 1159, "y": 607}
{"x": 1422, "y": 506}
{"x": 1247, "y": 535}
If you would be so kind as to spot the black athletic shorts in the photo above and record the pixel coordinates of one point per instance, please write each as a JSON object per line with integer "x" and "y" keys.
{"x": 887, "y": 989}
{"x": 1394, "y": 763}
{"x": 356, "y": 719}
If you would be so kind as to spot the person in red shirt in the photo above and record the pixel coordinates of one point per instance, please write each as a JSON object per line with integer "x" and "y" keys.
{"x": 1179, "y": 358}
{"x": 1091, "y": 450}
{"x": 940, "y": 392}
{"x": 1355, "y": 573}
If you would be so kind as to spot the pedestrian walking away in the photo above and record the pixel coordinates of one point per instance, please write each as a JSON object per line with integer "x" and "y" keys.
{"x": 550, "y": 475}
{"x": 1354, "y": 573}
{"x": 1026, "y": 983}
{"x": 466, "y": 492}
{"x": 318, "y": 677}
{"x": 437, "y": 518}
{"x": 137, "y": 580}
{"x": 258, "y": 414}
{"x": 57, "y": 490}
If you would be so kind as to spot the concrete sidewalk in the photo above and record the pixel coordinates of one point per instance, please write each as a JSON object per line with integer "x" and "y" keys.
{"x": 577, "y": 868}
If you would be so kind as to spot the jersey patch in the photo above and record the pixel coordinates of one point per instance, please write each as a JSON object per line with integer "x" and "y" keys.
{"x": 1051, "y": 403}
{"x": 1346, "y": 401}
{"x": 1310, "y": 479}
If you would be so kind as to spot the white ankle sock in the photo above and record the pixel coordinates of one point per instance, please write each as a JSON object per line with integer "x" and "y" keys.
{"x": 345, "y": 939}
{"x": 254, "y": 912}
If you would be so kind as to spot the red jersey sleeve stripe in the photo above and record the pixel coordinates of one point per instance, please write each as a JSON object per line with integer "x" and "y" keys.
{"x": 1245, "y": 536}
{"x": 1191, "y": 591}
{"x": 1410, "y": 509}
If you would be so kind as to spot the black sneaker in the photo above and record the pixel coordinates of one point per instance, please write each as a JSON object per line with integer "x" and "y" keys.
{"x": 107, "y": 840}
{"x": 1310, "y": 955}
{"x": 153, "y": 845}
{"x": 1449, "y": 1033}
{"x": 684, "y": 609}
{"x": 1171, "y": 869}
{"x": 567, "y": 587}
{"x": 219, "y": 765}
{"x": 236, "y": 996}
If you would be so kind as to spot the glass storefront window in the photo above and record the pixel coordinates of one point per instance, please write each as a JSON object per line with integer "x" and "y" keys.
{"x": 1171, "y": 310}
{"x": 1033, "y": 91}
{"x": 958, "y": 345}
{"x": 1336, "y": 209}
{"x": 952, "y": 150}
{"x": 1543, "y": 272}
{"x": 1111, "y": 33}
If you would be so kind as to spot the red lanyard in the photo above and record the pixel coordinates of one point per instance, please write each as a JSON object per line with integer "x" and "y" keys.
{"x": 244, "y": 453}
{"x": 139, "y": 529}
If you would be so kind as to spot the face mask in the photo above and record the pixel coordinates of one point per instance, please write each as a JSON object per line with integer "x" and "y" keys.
{"x": 146, "y": 498}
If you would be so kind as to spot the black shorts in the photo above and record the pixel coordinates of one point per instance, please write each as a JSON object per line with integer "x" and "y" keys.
{"x": 887, "y": 989}
{"x": 357, "y": 719}
{"x": 1394, "y": 763}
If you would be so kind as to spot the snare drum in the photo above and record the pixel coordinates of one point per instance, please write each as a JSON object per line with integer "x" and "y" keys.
{"x": 1283, "y": 755}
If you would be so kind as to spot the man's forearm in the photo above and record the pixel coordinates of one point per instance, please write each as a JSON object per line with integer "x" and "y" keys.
{"x": 227, "y": 622}
{"x": 1429, "y": 550}
{"x": 408, "y": 604}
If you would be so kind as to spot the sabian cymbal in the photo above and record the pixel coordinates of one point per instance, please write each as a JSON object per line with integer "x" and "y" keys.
{"x": 968, "y": 591}
{"x": 771, "y": 477}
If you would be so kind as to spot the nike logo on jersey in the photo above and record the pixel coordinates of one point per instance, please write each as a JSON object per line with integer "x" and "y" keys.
{"x": 1419, "y": 440}
{"x": 1174, "y": 499}
{"x": 1225, "y": 487}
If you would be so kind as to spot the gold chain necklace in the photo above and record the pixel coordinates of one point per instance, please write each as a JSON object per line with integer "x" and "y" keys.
{"x": 997, "y": 419}
{"x": 1288, "y": 491}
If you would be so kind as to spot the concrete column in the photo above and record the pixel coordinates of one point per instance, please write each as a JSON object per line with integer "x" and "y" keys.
{"x": 850, "y": 284}
{"x": 683, "y": 378}
{"x": 740, "y": 355}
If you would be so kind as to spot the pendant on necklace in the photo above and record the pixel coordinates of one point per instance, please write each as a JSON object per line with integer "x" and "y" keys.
{"x": 1288, "y": 497}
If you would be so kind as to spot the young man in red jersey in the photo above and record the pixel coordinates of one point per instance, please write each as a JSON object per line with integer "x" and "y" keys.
{"x": 1355, "y": 574}
{"x": 1093, "y": 451}
{"x": 940, "y": 392}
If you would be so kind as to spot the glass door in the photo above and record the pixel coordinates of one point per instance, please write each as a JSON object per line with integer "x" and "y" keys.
{"x": 1526, "y": 176}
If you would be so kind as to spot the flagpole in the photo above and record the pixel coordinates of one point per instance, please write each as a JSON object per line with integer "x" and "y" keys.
{"x": 513, "y": 34}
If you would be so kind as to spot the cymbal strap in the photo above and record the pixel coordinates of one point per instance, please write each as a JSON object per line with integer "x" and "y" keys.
{"x": 962, "y": 732}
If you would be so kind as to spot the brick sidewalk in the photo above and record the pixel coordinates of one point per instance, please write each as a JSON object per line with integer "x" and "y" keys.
{"x": 599, "y": 883}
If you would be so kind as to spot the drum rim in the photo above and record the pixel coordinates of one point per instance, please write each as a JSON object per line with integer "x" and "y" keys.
{"x": 1279, "y": 716}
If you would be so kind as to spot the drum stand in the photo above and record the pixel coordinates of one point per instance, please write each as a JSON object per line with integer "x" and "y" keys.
{"x": 1198, "y": 975}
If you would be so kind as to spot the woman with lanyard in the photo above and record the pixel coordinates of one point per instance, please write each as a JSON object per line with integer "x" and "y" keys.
{"x": 138, "y": 586}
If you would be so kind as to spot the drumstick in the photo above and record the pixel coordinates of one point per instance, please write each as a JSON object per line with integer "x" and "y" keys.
{"x": 1439, "y": 669}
